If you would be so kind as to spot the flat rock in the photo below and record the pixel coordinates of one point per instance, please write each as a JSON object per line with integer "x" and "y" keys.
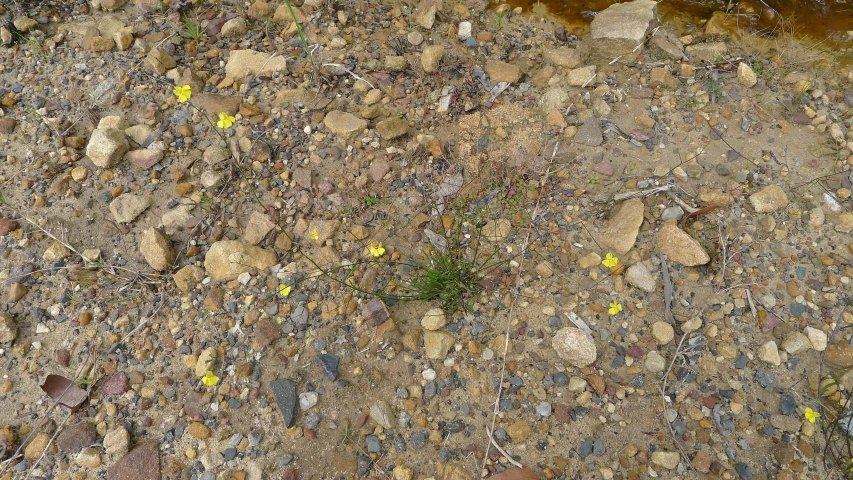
{"x": 769, "y": 353}
{"x": 76, "y": 437}
{"x": 144, "y": 158}
{"x": 394, "y": 127}
{"x": 382, "y": 414}
{"x": 249, "y": 62}
{"x": 188, "y": 277}
{"x": 500, "y": 71}
{"x": 431, "y": 58}
{"x": 325, "y": 229}
{"x": 436, "y": 344}
{"x": 433, "y": 319}
{"x": 107, "y": 146}
{"x": 426, "y": 11}
{"x": 375, "y": 312}
{"x": 159, "y": 61}
{"x": 618, "y": 29}
{"x": 141, "y": 463}
{"x": 665, "y": 44}
{"x": 496, "y": 230}
{"x": 579, "y": 77}
{"x": 622, "y": 229}
{"x": 115, "y": 385}
{"x": 227, "y": 259}
{"x": 641, "y": 277}
{"x": 343, "y": 124}
{"x": 667, "y": 460}
{"x": 565, "y": 57}
{"x": 117, "y": 441}
{"x": 681, "y": 247}
{"x": 771, "y": 198}
{"x": 126, "y": 207}
{"x": 57, "y": 251}
{"x": 329, "y": 363}
{"x": 212, "y": 104}
{"x": 157, "y": 250}
{"x": 590, "y": 133}
{"x": 575, "y": 346}
{"x": 258, "y": 227}
{"x": 284, "y": 391}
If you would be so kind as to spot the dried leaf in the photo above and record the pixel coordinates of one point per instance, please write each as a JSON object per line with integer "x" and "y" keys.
{"x": 64, "y": 392}
{"x": 515, "y": 474}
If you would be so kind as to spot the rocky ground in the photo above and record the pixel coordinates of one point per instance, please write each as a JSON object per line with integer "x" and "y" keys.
{"x": 659, "y": 220}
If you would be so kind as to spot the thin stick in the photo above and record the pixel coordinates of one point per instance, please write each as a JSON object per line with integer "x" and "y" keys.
{"x": 503, "y": 452}
{"x": 667, "y": 291}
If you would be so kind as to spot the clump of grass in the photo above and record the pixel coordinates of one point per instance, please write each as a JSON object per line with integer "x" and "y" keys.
{"x": 448, "y": 277}
{"x": 192, "y": 29}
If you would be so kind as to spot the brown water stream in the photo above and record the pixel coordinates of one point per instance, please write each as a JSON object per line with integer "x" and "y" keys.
{"x": 828, "y": 22}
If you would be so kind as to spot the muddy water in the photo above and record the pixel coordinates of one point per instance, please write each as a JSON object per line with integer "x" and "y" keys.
{"x": 829, "y": 22}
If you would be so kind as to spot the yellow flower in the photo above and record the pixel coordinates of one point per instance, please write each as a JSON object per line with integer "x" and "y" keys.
{"x": 225, "y": 120}
{"x": 183, "y": 93}
{"x": 315, "y": 235}
{"x": 377, "y": 250}
{"x": 209, "y": 379}
{"x": 615, "y": 307}
{"x": 610, "y": 261}
{"x": 811, "y": 415}
{"x": 284, "y": 290}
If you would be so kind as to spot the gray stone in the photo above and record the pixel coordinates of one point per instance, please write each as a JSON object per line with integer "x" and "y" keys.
{"x": 382, "y": 414}
{"x": 284, "y": 391}
{"x": 641, "y": 277}
{"x": 621, "y": 27}
{"x": 106, "y": 147}
{"x": 665, "y": 44}
{"x": 375, "y": 312}
{"x": 589, "y": 133}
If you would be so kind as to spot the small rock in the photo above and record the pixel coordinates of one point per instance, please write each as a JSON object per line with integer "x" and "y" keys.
{"x": 554, "y": 99}
{"x": 667, "y": 460}
{"x": 663, "y": 332}
{"x": 37, "y": 446}
{"x": 76, "y": 437}
{"x": 663, "y": 78}
{"x": 563, "y": 57}
{"x": 436, "y": 344}
{"x": 640, "y": 276}
{"x": 817, "y": 338}
{"x": 655, "y": 362}
{"x": 329, "y": 363}
{"x": 142, "y": 463}
{"x": 622, "y": 229}
{"x": 590, "y": 260}
{"x": 518, "y": 431}
{"x": 159, "y": 60}
{"x": 402, "y": 472}
{"x": 771, "y": 198}
{"x": 575, "y": 346}
{"x": 796, "y": 343}
{"x": 249, "y": 62}
{"x": 8, "y": 225}
{"x": 619, "y": 28}
{"x": 117, "y": 441}
{"x": 198, "y": 430}
{"x": 126, "y": 207}
{"x": 382, "y": 414}
{"x": 503, "y": 72}
{"x": 89, "y": 458}
{"x": 375, "y": 312}
{"x": 769, "y": 353}
{"x": 145, "y": 158}
{"x": 107, "y": 146}
{"x": 681, "y": 247}
{"x": 746, "y": 76}
{"x": 431, "y": 58}
{"x": 496, "y": 230}
{"x": 425, "y": 13}
{"x": 188, "y": 277}
{"x": 344, "y": 125}
{"x": 580, "y": 77}
{"x": 394, "y": 127}
{"x": 308, "y": 400}
{"x": 433, "y": 319}
{"x": 396, "y": 63}
{"x": 284, "y": 391}
{"x": 257, "y": 228}
{"x": 227, "y": 259}
{"x": 157, "y": 250}
{"x": 57, "y": 251}
{"x": 116, "y": 384}
{"x": 206, "y": 362}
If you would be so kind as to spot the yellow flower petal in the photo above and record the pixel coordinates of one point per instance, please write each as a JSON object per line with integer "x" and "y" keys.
{"x": 209, "y": 379}
{"x": 183, "y": 92}
{"x": 615, "y": 307}
{"x": 610, "y": 261}
{"x": 315, "y": 235}
{"x": 811, "y": 415}
{"x": 377, "y": 250}
{"x": 284, "y": 290}
{"x": 225, "y": 120}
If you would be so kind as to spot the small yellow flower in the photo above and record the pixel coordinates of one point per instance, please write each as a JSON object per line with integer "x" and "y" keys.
{"x": 225, "y": 120}
{"x": 615, "y": 307}
{"x": 315, "y": 235}
{"x": 183, "y": 93}
{"x": 284, "y": 290}
{"x": 377, "y": 250}
{"x": 209, "y": 379}
{"x": 811, "y": 415}
{"x": 610, "y": 261}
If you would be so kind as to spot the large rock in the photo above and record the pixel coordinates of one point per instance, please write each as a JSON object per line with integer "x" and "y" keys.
{"x": 343, "y": 124}
{"x": 227, "y": 259}
{"x": 126, "y": 207}
{"x": 771, "y": 198}
{"x": 249, "y": 62}
{"x": 620, "y": 28}
{"x": 575, "y": 346}
{"x": 564, "y": 57}
{"x": 500, "y": 71}
{"x": 394, "y": 127}
{"x": 590, "y": 133}
{"x": 681, "y": 247}
{"x": 188, "y": 277}
{"x": 436, "y": 344}
{"x": 431, "y": 58}
{"x": 157, "y": 250}
{"x": 107, "y": 146}
{"x": 621, "y": 232}
{"x": 142, "y": 463}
